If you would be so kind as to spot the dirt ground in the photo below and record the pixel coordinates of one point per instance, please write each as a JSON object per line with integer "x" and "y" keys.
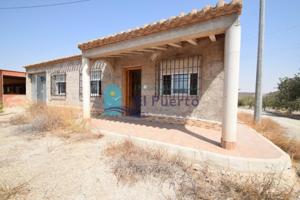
{"x": 41, "y": 166}
{"x": 50, "y": 167}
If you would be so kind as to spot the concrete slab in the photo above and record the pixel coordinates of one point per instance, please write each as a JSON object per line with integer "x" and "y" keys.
{"x": 253, "y": 152}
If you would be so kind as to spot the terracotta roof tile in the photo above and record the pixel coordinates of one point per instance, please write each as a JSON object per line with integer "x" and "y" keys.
{"x": 55, "y": 61}
{"x": 195, "y": 16}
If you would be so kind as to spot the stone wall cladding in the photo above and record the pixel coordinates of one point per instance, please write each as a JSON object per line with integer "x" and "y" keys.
{"x": 72, "y": 70}
{"x": 72, "y": 98}
{"x": 211, "y": 84}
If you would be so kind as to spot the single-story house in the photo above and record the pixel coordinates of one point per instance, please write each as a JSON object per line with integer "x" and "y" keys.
{"x": 12, "y": 88}
{"x": 182, "y": 67}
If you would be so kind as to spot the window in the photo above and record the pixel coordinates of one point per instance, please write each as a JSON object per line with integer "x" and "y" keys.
{"x": 180, "y": 83}
{"x": 58, "y": 85}
{"x": 194, "y": 84}
{"x": 166, "y": 85}
{"x": 95, "y": 83}
{"x": 178, "y": 76}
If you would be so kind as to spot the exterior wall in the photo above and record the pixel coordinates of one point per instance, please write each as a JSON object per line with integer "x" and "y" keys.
{"x": 11, "y": 100}
{"x": 1, "y": 89}
{"x": 72, "y": 97}
{"x": 211, "y": 84}
{"x": 71, "y": 69}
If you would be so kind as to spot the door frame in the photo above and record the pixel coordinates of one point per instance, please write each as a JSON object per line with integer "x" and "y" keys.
{"x": 38, "y": 75}
{"x": 126, "y": 82}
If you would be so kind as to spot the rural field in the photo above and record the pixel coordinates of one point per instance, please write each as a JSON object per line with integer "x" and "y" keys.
{"x": 40, "y": 162}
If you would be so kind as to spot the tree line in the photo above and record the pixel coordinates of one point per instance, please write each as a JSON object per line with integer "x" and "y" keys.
{"x": 287, "y": 96}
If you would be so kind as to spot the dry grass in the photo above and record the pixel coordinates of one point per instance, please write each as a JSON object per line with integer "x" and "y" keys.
{"x": 8, "y": 192}
{"x": 274, "y": 132}
{"x": 60, "y": 121}
{"x": 134, "y": 163}
{"x": 131, "y": 163}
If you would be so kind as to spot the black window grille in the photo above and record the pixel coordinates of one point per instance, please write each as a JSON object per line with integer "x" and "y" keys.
{"x": 58, "y": 84}
{"x": 95, "y": 83}
{"x": 194, "y": 84}
{"x": 178, "y": 76}
{"x": 166, "y": 86}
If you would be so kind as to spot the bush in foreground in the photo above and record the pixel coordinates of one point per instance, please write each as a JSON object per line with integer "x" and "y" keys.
{"x": 8, "y": 192}
{"x": 42, "y": 118}
{"x": 131, "y": 163}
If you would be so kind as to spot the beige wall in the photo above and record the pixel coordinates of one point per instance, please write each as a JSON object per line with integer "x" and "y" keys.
{"x": 71, "y": 69}
{"x": 211, "y": 84}
{"x": 212, "y": 75}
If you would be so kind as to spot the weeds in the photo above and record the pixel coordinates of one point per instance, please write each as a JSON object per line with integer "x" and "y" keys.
{"x": 134, "y": 163}
{"x": 131, "y": 163}
{"x": 13, "y": 192}
{"x": 60, "y": 121}
{"x": 274, "y": 132}
{"x": 19, "y": 119}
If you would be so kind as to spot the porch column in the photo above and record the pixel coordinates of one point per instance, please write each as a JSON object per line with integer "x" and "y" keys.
{"x": 86, "y": 88}
{"x": 231, "y": 85}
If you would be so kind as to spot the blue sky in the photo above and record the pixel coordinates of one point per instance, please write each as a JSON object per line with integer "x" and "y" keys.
{"x": 33, "y": 35}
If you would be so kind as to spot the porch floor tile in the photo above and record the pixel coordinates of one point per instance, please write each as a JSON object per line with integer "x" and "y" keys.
{"x": 249, "y": 143}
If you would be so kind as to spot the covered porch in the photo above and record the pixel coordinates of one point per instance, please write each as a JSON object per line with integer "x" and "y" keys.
{"x": 221, "y": 21}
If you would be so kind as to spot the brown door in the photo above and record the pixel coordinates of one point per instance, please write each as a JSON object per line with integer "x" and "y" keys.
{"x": 133, "y": 91}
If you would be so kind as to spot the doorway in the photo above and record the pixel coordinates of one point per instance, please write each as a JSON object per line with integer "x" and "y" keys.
{"x": 41, "y": 88}
{"x": 133, "y": 91}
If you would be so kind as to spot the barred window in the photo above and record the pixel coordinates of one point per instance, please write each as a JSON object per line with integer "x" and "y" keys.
{"x": 178, "y": 76}
{"x": 180, "y": 83}
{"x": 166, "y": 87}
{"x": 95, "y": 83}
{"x": 58, "y": 84}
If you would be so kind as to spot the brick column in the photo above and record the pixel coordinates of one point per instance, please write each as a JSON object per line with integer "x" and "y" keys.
{"x": 86, "y": 68}
{"x": 231, "y": 85}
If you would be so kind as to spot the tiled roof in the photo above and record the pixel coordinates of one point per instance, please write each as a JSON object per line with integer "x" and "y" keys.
{"x": 55, "y": 61}
{"x": 195, "y": 16}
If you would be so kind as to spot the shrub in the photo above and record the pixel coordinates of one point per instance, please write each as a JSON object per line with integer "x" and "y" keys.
{"x": 13, "y": 192}
{"x": 246, "y": 101}
{"x": 19, "y": 119}
{"x": 274, "y": 132}
{"x": 131, "y": 163}
{"x": 44, "y": 118}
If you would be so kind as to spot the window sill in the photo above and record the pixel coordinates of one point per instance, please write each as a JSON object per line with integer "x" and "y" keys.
{"x": 178, "y": 95}
{"x": 58, "y": 97}
{"x": 93, "y": 98}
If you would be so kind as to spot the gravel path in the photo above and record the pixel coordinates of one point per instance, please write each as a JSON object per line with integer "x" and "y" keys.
{"x": 292, "y": 126}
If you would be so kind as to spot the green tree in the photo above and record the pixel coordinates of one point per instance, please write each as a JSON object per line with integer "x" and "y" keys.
{"x": 246, "y": 101}
{"x": 271, "y": 100}
{"x": 289, "y": 93}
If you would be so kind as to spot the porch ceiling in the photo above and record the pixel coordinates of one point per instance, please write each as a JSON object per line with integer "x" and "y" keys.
{"x": 164, "y": 40}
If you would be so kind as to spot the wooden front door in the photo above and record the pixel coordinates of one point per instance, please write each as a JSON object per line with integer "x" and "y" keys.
{"x": 133, "y": 91}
